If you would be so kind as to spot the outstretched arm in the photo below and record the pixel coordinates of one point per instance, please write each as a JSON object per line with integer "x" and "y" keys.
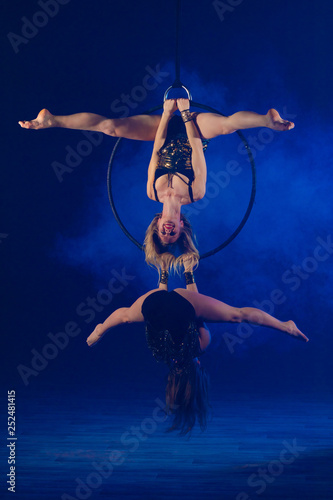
{"x": 198, "y": 158}
{"x": 204, "y": 333}
{"x": 163, "y": 276}
{"x": 169, "y": 108}
{"x": 189, "y": 275}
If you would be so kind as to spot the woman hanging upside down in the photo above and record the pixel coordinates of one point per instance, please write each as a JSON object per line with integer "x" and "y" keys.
{"x": 177, "y": 335}
{"x": 177, "y": 170}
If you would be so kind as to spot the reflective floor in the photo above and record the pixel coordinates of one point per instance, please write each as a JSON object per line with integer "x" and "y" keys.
{"x": 85, "y": 446}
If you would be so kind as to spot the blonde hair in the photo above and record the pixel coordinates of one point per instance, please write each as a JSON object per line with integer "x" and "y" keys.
{"x": 161, "y": 256}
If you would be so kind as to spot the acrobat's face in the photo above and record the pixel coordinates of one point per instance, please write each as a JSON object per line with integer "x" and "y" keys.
{"x": 169, "y": 229}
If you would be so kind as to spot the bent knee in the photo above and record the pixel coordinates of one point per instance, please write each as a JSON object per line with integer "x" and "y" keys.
{"x": 237, "y": 315}
{"x": 228, "y": 125}
{"x": 125, "y": 315}
{"x": 107, "y": 127}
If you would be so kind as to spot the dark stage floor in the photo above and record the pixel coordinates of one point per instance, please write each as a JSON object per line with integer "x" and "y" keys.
{"x": 84, "y": 446}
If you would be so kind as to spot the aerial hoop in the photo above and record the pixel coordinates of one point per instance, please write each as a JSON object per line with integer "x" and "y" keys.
{"x": 249, "y": 207}
{"x": 177, "y": 85}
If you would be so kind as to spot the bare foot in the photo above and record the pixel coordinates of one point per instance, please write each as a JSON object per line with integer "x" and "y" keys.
{"x": 96, "y": 335}
{"x": 275, "y": 121}
{"x": 292, "y": 330}
{"x": 44, "y": 120}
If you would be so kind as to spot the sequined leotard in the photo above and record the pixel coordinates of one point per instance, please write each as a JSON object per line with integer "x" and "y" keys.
{"x": 175, "y": 156}
{"x": 171, "y": 328}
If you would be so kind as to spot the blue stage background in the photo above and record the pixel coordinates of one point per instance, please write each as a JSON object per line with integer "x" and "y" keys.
{"x": 60, "y": 244}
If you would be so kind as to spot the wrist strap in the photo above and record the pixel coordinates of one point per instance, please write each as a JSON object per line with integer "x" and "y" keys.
{"x": 164, "y": 277}
{"x": 186, "y": 115}
{"x": 189, "y": 278}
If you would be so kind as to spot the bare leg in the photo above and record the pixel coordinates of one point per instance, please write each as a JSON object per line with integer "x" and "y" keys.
{"x": 215, "y": 311}
{"x": 212, "y": 124}
{"x": 141, "y": 127}
{"x": 122, "y": 315}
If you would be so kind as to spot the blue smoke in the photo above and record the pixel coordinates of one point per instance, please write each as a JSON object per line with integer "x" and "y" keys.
{"x": 291, "y": 217}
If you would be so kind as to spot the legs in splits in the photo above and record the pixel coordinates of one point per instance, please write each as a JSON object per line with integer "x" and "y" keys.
{"x": 215, "y": 311}
{"x": 141, "y": 127}
{"x": 122, "y": 315}
{"x": 212, "y": 124}
{"x": 144, "y": 127}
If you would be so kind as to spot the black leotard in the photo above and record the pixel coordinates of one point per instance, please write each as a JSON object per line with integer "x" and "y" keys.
{"x": 175, "y": 156}
{"x": 171, "y": 328}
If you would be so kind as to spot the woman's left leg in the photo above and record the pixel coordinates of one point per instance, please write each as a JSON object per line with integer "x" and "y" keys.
{"x": 215, "y": 311}
{"x": 212, "y": 124}
{"x": 140, "y": 127}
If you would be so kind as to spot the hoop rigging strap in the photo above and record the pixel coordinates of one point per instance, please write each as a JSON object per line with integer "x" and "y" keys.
{"x": 177, "y": 55}
{"x": 177, "y": 84}
{"x": 242, "y": 222}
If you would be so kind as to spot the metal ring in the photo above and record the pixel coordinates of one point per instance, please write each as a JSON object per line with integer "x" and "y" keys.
{"x": 189, "y": 96}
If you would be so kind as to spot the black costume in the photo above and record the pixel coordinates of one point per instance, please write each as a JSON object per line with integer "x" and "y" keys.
{"x": 175, "y": 155}
{"x": 171, "y": 328}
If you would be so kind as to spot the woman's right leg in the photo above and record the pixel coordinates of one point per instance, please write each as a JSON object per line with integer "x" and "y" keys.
{"x": 120, "y": 316}
{"x": 141, "y": 127}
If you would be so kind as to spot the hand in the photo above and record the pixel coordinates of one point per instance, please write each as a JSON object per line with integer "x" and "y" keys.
{"x": 169, "y": 106}
{"x": 183, "y": 104}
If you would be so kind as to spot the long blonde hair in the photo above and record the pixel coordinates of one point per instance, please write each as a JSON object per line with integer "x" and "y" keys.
{"x": 161, "y": 256}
